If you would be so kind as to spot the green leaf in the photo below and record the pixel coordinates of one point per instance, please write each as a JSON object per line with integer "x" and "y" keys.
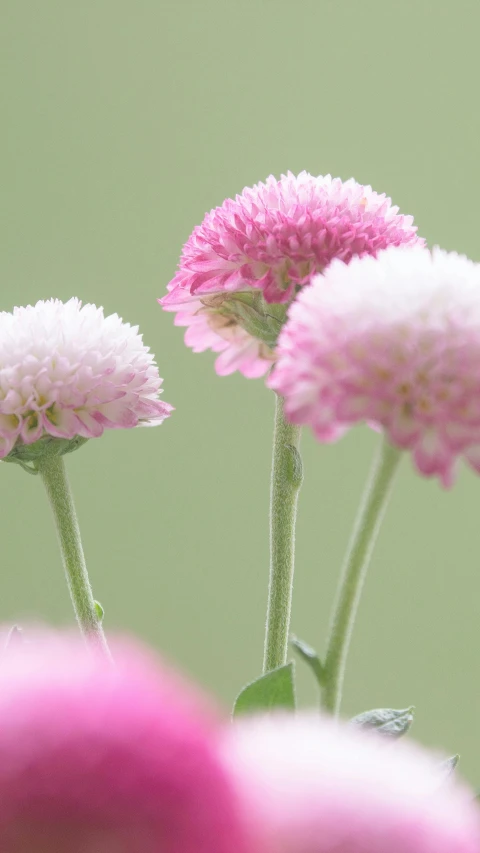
{"x": 271, "y": 691}
{"x": 310, "y": 657}
{"x": 446, "y": 767}
{"x": 391, "y": 722}
{"x": 99, "y": 610}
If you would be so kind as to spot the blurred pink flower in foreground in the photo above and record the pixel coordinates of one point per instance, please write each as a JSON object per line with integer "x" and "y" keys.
{"x": 394, "y": 341}
{"x": 66, "y": 371}
{"x": 256, "y": 250}
{"x": 316, "y": 787}
{"x": 99, "y": 759}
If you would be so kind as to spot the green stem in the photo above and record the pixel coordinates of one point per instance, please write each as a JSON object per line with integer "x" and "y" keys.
{"x": 285, "y": 484}
{"x": 367, "y": 525}
{"x": 54, "y": 476}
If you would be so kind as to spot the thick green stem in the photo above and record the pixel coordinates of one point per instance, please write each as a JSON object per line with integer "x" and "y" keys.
{"x": 285, "y": 484}
{"x": 358, "y": 556}
{"x": 54, "y": 476}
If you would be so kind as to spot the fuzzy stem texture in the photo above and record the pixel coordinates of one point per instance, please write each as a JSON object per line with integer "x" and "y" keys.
{"x": 365, "y": 531}
{"x": 54, "y": 475}
{"x": 286, "y": 480}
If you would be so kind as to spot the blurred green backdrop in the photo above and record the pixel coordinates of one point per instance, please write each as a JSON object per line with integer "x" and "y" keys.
{"x": 123, "y": 122}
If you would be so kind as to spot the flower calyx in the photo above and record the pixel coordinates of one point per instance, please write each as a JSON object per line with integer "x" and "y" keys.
{"x": 248, "y": 309}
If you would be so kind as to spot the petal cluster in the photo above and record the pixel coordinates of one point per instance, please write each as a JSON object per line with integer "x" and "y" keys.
{"x": 100, "y": 759}
{"x": 394, "y": 341}
{"x": 97, "y": 758}
{"x": 315, "y": 787}
{"x": 272, "y": 238}
{"x": 66, "y": 371}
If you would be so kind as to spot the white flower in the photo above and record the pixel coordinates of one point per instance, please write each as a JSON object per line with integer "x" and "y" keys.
{"x": 68, "y": 371}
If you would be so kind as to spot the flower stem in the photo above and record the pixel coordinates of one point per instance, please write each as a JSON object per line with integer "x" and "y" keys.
{"x": 285, "y": 484}
{"x": 367, "y": 525}
{"x": 54, "y": 475}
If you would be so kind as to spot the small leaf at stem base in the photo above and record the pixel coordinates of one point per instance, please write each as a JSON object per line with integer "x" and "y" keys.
{"x": 446, "y": 767}
{"x": 15, "y": 639}
{"x": 310, "y": 657}
{"x": 272, "y": 691}
{"x": 391, "y": 722}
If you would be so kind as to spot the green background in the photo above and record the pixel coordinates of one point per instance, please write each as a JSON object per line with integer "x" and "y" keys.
{"x": 122, "y": 123}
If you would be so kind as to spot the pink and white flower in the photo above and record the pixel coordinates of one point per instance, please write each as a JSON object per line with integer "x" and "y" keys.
{"x": 269, "y": 241}
{"x": 394, "y": 341}
{"x": 313, "y": 786}
{"x": 67, "y": 371}
{"x": 97, "y": 758}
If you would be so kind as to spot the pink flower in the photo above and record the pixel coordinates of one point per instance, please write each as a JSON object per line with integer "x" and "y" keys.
{"x": 394, "y": 341}
{"x": 265, "y": 245}
{"x": 99, "y": 759}
{"x": 67, "y": 371}
{"x": 317, "y": 787}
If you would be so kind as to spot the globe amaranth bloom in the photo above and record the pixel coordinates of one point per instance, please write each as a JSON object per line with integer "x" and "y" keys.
{"x": 314, "y": 786}
{"x": 66, "y": 371}
{"x": 97, "y": 758}
{"x": 244, "y": 264}
{"x": 394, "y": 341}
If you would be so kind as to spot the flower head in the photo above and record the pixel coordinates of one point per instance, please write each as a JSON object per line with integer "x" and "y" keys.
{"x": 258, "y": 249}
{"x": 394, "y": 341}
{"x": 100, "y": 759}
{"x": 67, "y": 371}
{"x": 315, "y": 787}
